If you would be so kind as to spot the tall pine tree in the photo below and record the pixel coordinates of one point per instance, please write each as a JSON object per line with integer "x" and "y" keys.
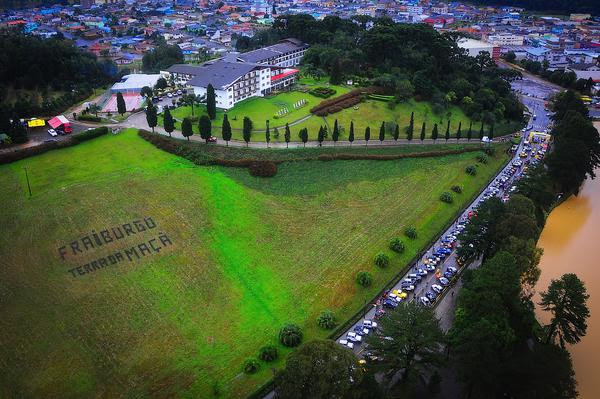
{"x": 459, "y": 132}
{"x": 423, "y": 132}
{"x": 434, "y": 132}
{"x": 382, "y": 132}
{"x": 211, "y": 102}
{"x": 226, "y": 129}
{"x": 336, "y": 132}
{"x": 205, "y": 128}
{"x": 169, "y": 122}
{"x": 287, "y": 135}
{"x": 351, "y": 133}
{"x": 367, "y": 135}
{"x": 447, "y": 135}
{"x": 151, "y": 116}
{"x": 121, "y": 109}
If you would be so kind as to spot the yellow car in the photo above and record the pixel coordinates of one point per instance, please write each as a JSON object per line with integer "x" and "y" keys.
{"x": 523, "y": 155}
{"x": 400, "y": 294}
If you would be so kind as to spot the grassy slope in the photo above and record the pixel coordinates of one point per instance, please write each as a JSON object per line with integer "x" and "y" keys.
{"x": 249, "y": 255}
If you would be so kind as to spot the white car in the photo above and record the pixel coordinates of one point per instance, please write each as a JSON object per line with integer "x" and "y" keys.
{"x": 425, "y": 301}
{"x": 52, "y": 132}
{"x": 370, "y": 324}
{"x": 354, "y": 337}
{"x": 347, "y": 344}
{"x": 170, "y": 95}
{"x": 437, "y": 288}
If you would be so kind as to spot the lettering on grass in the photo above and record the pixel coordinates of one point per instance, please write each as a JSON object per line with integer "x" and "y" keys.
{"x": 140, "y": 229}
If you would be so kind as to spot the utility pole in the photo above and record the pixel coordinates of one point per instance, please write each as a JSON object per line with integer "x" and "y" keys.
{"x": 27, "y": 178}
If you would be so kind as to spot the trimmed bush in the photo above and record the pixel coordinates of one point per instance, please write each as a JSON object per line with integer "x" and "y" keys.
{"x": 457, "y": 189}
{"x": 411, "y": 232}
{"x": 482, "y": 158}
{"x": 323, "y": 92}
{"x": 90, "y": 134}
{"x": 381, "y": 260}
{"x": 290, "y": 335}
{"x": 471, "y": 170}
{"x": 326, "y": 320}
{"x": 263, "y": 168}
{"x": 364, "y": 279}
{"x": 446, "y": 197}
{"x": 267, "y": 353}
{"x": 397, "y": 245}
{"x": 251, "y": 366}
{"x": 88, "y": 118}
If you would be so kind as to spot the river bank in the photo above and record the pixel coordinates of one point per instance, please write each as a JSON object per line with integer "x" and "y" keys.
{"x": 569, "y": 240}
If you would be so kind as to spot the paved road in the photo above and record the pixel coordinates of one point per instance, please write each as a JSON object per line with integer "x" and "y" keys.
{"x": 445, "y": 303}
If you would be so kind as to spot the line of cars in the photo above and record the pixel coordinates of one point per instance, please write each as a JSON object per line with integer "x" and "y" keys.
{"x": 171, "y": 94}
{"x": 501, "y": 186}
{"x": 355, "y": 337}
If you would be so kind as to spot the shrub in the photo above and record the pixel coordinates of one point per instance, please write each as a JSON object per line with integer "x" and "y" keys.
{"x": 457, "y": 189}
{"x": 251, "y": 366}
{"x": 326, "y": 320}
{"x": 381, "y": 260}
{"x": 90, "y": 134}
{"x": 263, "y": 168}
{"x": 290, "y": 335}
{"x": 397, "y": 245}
{"x": 88, "y": 117}
{"x": 446, "y": 197}
{"x": 490, "y": 151}
{"x": 323, "y": 92}
{"x": 411, "y": 232}
{"x": 364, "y": 279}
{"x": 267, "y": 353}
{"x": 471, "y": 170}
{"x": 482, "y": 158}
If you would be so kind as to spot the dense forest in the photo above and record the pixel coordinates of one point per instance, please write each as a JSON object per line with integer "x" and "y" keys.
{"x": 39, "y": 69}
{"x": 559, "y": 6}
{"x": 408, "y": 60}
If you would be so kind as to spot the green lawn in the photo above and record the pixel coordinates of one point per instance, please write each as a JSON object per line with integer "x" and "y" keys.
{"x": 247, "y": 256}
{"x": 368, "y": 113}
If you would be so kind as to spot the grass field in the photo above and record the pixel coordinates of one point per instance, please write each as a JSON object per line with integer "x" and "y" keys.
{"x": 247, "y": 256}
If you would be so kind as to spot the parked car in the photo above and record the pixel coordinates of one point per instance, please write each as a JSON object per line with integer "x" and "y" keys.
{"x": 361, "y": 330}
{"x": 212, "y": 139}
{"x": 431, "y": 295}
{"x": 344, "y": 342}
{"x": 370, "y": 324}
{"x": 437, "y": 288}
{"x": 390, "y": 303}
{"x": 425, "y": 301}
{"x": 52, "y": 132}
{"x": 354, "y": 337}
{"x": 444, "y": 281}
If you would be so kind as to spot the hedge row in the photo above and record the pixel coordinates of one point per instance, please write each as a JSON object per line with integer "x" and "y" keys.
{"x": 262, "y": 167}
{"x": 257, "y": 167}
{"x": 380, "y": 157}
{"x": 344, "y": 101}
{"x": 23, "y": 153}
{"x": 89, "y": 118}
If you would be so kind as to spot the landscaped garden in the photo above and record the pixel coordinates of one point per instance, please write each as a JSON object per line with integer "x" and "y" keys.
{"x": 228, "y": 259}
{"x": 279, "y": 109}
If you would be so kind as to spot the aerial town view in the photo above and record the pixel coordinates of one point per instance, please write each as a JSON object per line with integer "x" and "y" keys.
{"x": 299, "y": 199}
